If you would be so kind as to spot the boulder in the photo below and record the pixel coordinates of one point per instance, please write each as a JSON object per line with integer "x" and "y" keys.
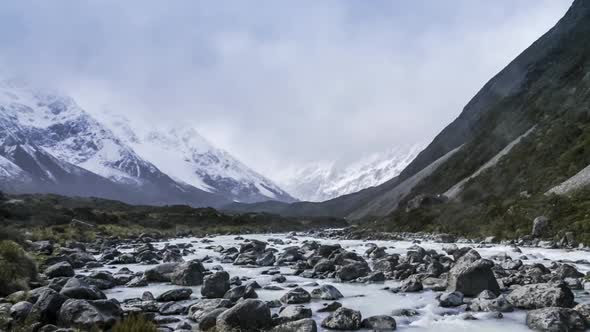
{"x": 215, "y": 285}
{"x": 46, "y": 308}
{"x": 540, "y": 225}
{"x": 267, "y": 259}
{"x": 453, "y": 299}
{"x": 302, "y": 325}
{"x": 246, "y": 316}
{"x": 296, "y": 296}
{"x": 21, "y": 310}
{"x": 326, "y": 292}
{"x": 472, "y": 275}
{"x": 487, "y": 303}
{"x": 343, "y": 319}
{"x": 200, "y": 309}
{"x": 538, "y": 296}
{"x": 379, "y": 323}
{"x": 62, "y": 269}
{"x": 353, "y": 271}
{"x": 240, "y": 292}
{"x": 555, "y": 319}
{"x": 76, "y": 288}
{"x": 160, "y": 272}
{"x": 188, "y": 274}
{"x": 293, "y": 313}
{"x": 178, "y": 294}
{"x": 86, "y": 315}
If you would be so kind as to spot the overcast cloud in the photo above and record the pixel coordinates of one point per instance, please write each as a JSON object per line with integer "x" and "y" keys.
{"x": 276, "y": 83}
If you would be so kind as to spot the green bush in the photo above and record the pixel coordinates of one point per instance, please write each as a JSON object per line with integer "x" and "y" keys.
{"x": 16, "y": 268}
{"x": 135, "y": 323}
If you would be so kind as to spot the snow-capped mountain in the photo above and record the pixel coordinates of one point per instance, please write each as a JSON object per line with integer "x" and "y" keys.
{"x": 188, "y": 157}
{"x": 325, "y": 180}
{"x": 50, "y": 144}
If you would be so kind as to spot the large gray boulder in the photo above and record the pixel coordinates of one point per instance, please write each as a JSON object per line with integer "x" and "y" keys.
{"x": 555, "y": 319}
{"x": 178, "y": 294}
{"x": 246, "y": 316}
{"x": 215, "y": 285}
{"x": 379, "y": 323}
{"x": 343, "y": 319}
{"x": 77, "y": 288}
{"x": 471, "y": 275}
{"x": 188, "y": 274}
{"x": 205, "y": 306}
{"x": 85, "y": 315}
{"x": 293, "y": 313}
{"x": 46, "y": 308}
{"x": 326, "y": 292}
{"x": 160, "y": 272}
{"x": 353, "y": 271}
{"x": 538, "y": 296}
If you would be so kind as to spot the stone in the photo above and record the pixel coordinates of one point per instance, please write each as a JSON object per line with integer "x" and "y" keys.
{"x": 198, "y": 310}
{"x": 215, "y": 285}
{"x": 584, "y": 310}
{"x": 410, "y": 285}
{"x": 302, "y": 325}
{"x": 453, "y": 299}
{"x": 21, "y": 310}
{"x": 209, "y": 319}
{"x": 188, "y": 274}
{"x": 62, "y": 269}
{"x": 379, "y": 323}
{"x": 540, "y": 225}
{"x": 76, "y": 288}
{"x": 330, "y": 307}
{"x": 343, "y": 319}
{"x": 47, "y": 306}
{"x": 353, "y": 271}
{"x": 555, "y": 319}
{"x": 296, "y": 296}
{"x": 494, "y": 304}
{"x": 86, "y": 315}
{"x": 293, "y": 313}
{"x": 247, "y": 316}
{"x": 177, "y": 294}
{"x": 160, "y": 272}
{"x": 472, "y": 275}
{"x": 538, "y": 296}
{"x": 240, "y": 292}
{"x": 326, "y": 292}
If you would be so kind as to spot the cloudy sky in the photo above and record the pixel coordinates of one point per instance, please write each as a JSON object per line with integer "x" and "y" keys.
{"x": 277, "y": 83}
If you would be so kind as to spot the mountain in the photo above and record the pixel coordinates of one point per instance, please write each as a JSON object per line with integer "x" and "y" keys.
{"x": 519, "y": 149}
{"x": 325, "y": 180}
{"x": 186, "y": 156}
{"x": 49, "y": 144}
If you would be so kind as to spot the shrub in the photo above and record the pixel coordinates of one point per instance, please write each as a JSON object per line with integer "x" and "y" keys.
{"x": 135, "y": 323}
{"x": 16, "y": 268}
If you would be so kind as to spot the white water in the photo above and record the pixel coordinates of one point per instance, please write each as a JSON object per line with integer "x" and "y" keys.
{"x": 369, "y": 299}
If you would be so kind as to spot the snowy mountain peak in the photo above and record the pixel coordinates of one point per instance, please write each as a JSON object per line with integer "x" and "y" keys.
{"x": 322, "y": 181}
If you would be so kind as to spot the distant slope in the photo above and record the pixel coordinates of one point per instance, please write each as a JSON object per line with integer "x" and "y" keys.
{"x": 547, "y": 86}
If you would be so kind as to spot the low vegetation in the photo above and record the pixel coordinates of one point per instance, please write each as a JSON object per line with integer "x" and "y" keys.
{"x": 16, "y": 268}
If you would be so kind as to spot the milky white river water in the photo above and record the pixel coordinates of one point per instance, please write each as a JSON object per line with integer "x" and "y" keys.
{"x": 369, "y": 299}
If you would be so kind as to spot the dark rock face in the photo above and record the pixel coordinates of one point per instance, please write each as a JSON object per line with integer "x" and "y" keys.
{"x": 538, "y": 296}
{"x": 85, "y": 314}
{"x": 215, "y": 285}
{"x": 47, "y": 306}
{"x": 472, "y": 275}
{"x": 76, "y": 288}
{"x": 343, "y": 319}
{"x": 240, "y": 292}
{"x": 379, "y": 323}
{"x": 160, "y": 272}
{"x": 246, "y": 316}
{"x": 353, "y": 271}
{"x": 540, "y": 225}
{"x": 296, "y": 296}
{"x": 555, "y": 319}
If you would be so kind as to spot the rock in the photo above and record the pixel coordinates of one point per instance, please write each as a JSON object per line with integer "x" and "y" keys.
{"x": 324, "y": 265}
{"x": 405, "y": 313}
{"x": 240, "y": 292}
{"x": 178, "y": 294}
{"x": 490, "y": 240}
{"x": 567, "y": 271}
{"x": 188, "y": 274}
{"x": 472, "y": 275}
{"x": 326, "y": 292}
{"x": 555, "y": 319}
{"x": 137, "y": 282}
{"x": 538, "y": 296}
{"x": 379, "y": 323}
{"x": 76, "y": 288}
{"x": 303, "y": 325}
{"x": 343, "y": 319}
{"x": 494, "y": 304}
{"x": 47, "y": 306}
{"x": 268, "y": 259}
{"x": 215, "y": 285}
{"x": 173, "y": 308}
{"x": 448, "y": 300}
{"x": 330, "y": 307}
{"x": 352, "y": 271}
{"x": 293, "y": 313}
{"x": 412, "y": 284}
{"x": 209, "y": 319}
{"x": 296, "y": 296}
{"x": 62, "y": 269}
{"x": 86, "y": 315}
{"x": 584, "y": 310}
{"x": 160, "y": 272}
{"x": 279, "y": 278}
{"x": 540, "y": 225}
{"x": 20, "y": 310}
{"x": 147, "y": 296}
{"x": 198, "y": 310}
{"x": 246, "y": 316}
